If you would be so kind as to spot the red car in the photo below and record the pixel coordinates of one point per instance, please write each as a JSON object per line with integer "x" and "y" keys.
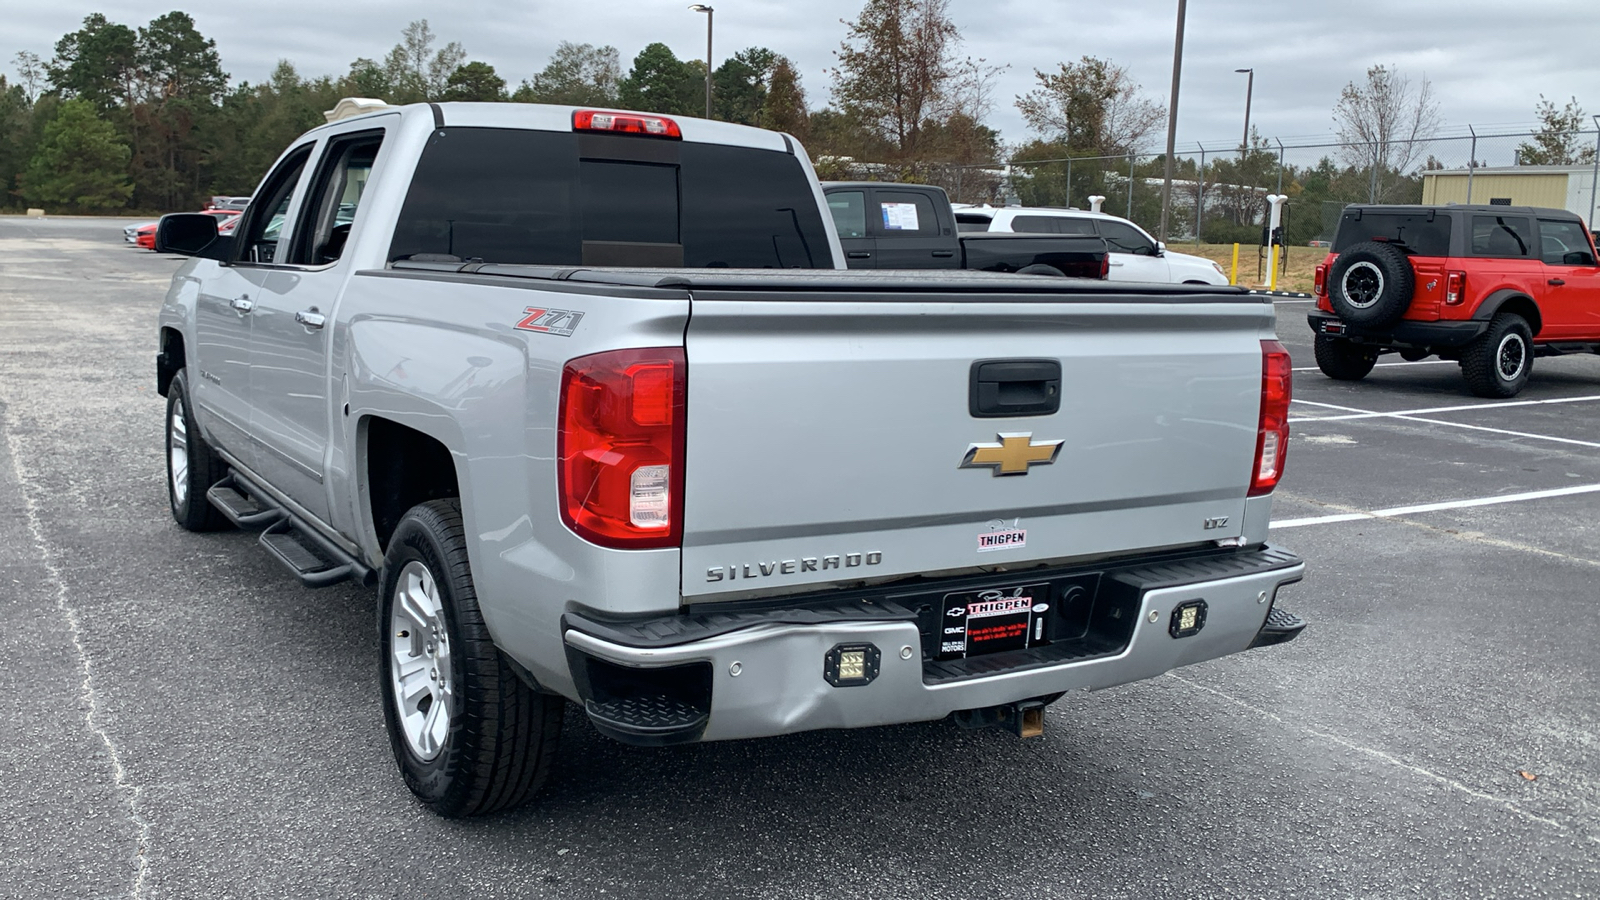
{"x": 1490, "y": 287}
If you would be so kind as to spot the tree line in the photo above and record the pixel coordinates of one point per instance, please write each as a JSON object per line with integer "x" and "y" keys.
{"x": 125, "y": 118}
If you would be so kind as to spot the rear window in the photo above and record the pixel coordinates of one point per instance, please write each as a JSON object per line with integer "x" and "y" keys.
{"x": 972, "y": 222}
{"x": 1502, "y": 236}
{"x": 901, "y": 213}
{"x": 548, "y": 198}
{"x": 1420, "y": 236}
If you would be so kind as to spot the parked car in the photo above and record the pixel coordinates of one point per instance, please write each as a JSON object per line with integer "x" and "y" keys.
{"x": 1135, "y": 255}
{"x": 1490, "y": 287}
{"x": 590, "y": 399}
{"x": 885, "y": 225}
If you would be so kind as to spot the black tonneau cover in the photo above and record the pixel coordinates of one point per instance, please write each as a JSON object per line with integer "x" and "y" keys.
{"x": 844, "y": 281}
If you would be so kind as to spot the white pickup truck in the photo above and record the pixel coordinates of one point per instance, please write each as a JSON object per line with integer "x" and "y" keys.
{"x": 588, "y": 397}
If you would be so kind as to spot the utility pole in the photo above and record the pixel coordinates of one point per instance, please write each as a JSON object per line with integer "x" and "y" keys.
{"x": 1172, "y": 120}
{"x": 702, "y": 8}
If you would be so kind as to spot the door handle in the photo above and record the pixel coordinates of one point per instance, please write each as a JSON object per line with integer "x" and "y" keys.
{"x": 944, "y": 254}
{"x": 858, "y": 254}
{"x": 242, "y": 304}
{"x": 310, "y": 318}
{"x": 1555, "y": 282}
{"x": 1115, "y": 263}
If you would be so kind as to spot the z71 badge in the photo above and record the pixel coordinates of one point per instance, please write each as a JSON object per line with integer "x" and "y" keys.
{"x": 550, "y": 321}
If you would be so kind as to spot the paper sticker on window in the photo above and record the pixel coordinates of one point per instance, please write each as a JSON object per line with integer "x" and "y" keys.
{"x": 899, "y": 216}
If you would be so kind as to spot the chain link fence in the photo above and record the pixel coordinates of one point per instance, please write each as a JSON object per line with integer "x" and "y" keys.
{"x": 1219, "y": 193}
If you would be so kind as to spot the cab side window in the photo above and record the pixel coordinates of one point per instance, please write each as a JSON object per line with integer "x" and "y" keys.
{"x": 905, "y": 214}
{"x": 264, "y": 220}
{"x": 1563, "y": 243}
{"x": 325, "y": 220}
{"x": 1122, "y": 238}
{"x": 849, "y": 210}
{"x": 1505, "y": 237}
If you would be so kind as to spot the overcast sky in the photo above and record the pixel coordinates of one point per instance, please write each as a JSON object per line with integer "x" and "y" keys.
{"x": 1488, "y": 61}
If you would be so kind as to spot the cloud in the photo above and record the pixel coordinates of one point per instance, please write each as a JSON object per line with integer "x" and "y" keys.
{"x": 1488, "y": 63}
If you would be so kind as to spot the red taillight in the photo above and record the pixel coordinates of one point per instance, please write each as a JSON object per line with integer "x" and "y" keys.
{"x": 625, "y": 123}
{"x": 1455, "y": 288}
{"x": 1105, "y": 265}
{"x": 620, "y": 447}
{"x": 1272, "y": 435}
{"x": 1319, "y": 286}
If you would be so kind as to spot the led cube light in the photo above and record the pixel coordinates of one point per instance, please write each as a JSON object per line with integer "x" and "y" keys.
{"x": 1187, "y": 619}
{"x": 848, "y": 665}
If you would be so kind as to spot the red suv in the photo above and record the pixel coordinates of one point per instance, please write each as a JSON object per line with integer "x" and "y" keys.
{"x": 1489, "y": 286}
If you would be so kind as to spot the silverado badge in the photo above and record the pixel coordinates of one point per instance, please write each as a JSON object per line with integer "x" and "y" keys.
{"x": 1012, "y": 455}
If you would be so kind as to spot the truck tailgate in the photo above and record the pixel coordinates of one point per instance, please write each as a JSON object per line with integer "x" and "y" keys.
{"x": 827, "y": 434}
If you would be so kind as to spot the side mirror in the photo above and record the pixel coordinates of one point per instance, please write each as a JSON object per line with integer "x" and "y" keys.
{"x": 1577, "y": 258}
{"x": 1161, "y": 248}
{"x": 185, "y": 233}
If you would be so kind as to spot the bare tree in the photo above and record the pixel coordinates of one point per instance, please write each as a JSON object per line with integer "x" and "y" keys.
{"x": 1092, "y": 106}
{"x": 1384, "y": 124}
{"x": 30, "y": 74}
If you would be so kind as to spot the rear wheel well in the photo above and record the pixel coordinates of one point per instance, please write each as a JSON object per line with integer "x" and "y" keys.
{"x": 404, "y": 467}
{"x": 1524, "y": 307}
{"x": 171, "y": 359}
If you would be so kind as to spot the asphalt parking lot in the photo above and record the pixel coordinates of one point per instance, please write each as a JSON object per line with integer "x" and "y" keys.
{"x": 184, "y": 720}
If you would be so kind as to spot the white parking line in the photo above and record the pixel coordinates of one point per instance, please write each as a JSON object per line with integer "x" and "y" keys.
{"x": 1403, "y": 413}
{"x": 1437, "y": 507}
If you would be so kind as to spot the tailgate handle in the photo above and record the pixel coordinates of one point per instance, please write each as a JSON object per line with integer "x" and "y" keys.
{"x": 858, "y": 254}
{"x": 1014, "y": 387}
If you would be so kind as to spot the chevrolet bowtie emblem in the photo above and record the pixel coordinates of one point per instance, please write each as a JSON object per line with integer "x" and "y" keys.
{"x": 1013, "y": 455}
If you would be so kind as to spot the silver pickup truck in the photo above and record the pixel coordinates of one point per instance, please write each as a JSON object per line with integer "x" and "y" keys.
{"x": 588, "y": 397}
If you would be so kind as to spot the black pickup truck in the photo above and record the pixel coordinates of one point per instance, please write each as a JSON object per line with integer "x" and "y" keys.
{"x": 885, "y": 225}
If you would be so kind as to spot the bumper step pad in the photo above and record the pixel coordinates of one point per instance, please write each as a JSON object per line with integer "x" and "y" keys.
{"x": 650, "y": 720}
{"x": 1281, "y": 627}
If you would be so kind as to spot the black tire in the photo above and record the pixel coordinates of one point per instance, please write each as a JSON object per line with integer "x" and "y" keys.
{"x": 1371, "y": 284}
{"x": 1042, "y": 269}
{"x": 201, "y": 467}
{"x": 1342, "y": 360}
{"x": 1499, "y": 362}
{"x": 497, "y": 748}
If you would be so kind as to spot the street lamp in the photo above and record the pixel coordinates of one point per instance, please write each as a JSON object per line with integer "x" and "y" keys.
{"x": 1249, "y": 88}
{"x": 1594, "y": 179}
{"x": 701, "y": 7}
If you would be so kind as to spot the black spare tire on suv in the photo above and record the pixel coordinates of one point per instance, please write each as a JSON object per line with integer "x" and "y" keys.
{"x": 1370, "y": 284}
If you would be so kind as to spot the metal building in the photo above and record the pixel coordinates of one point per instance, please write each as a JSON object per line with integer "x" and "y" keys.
{"x": 1560, "y": 187}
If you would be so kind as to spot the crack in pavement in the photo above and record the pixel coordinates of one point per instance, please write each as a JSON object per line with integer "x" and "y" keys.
{"x": 89, "y": 697}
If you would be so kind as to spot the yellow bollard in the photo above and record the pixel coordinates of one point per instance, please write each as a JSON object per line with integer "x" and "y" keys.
{"x": 1233, "y": 273}
{"x": 1272, "y": 279}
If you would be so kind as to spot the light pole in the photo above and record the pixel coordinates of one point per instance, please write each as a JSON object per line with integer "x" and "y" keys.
{"x": 1249, "y": 88}
{"x": 1172, "y": 121}
{"x": 1594, "y": 179}
{"x": 701, "y": 7}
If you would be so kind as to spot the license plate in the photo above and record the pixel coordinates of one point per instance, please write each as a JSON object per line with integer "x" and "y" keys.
{"x": 992, "y": 620}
